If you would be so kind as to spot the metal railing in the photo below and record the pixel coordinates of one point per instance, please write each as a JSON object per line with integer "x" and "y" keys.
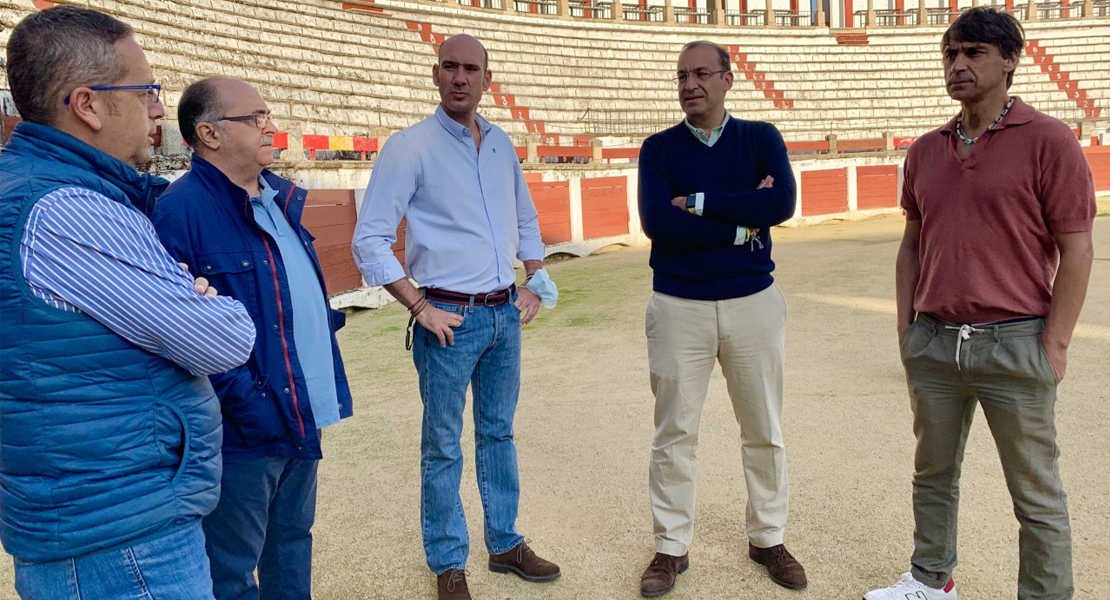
{"x": 748, "y": 19}
{"x": 651, "y": 13}
{"x": 591, "y": 10}
{"x": 888, "y": 17}
{"x": 791, "y": 18}
{"x": 492, "y": 4}
{"x": 688, "y": 15}
{"x": 539, "y": 7}
{"x": 941, "y": 16}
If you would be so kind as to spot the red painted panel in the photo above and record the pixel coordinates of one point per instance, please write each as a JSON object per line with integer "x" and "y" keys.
{"x": 611, "y": 153}
{"x": 314, "y": 142}
{"x": 807, "y": 146}
{"x": 281, "y": 140}
{"x": 824, "y": 192}
{"x": 363, "y": 7}
{"x": 1098, "y": 157}
{"x": 330, "y": 216}
{"x": 552, "y": 200}
{"x": 860, "y": 145}
{"x": 604, "y": 207}
{"x": 366, "y": 144}
{"x": 876, "y": 187}
{"x": 564, "y": 151}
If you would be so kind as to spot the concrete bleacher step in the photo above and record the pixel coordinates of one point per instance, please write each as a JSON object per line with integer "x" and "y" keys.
{"x": 330, "y": 69}
{"x": 758, "y": 78}
{"x": 1073, "y": 88}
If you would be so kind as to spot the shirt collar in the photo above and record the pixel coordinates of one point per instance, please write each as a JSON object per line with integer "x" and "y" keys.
{"x": 714, "y": 134}
{"x": 1020, "y": 114}
{"x": 266, "y": 199}
{"x": 460, "y": 131}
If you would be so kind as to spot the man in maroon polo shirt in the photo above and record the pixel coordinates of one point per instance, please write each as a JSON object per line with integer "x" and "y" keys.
{"x": 991, "y": 277}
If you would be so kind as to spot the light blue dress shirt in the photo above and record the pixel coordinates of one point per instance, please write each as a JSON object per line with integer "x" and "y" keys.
{"x": 468, "y": 209}
{"x": 311, "y": 331}
{"x": 714, "y": 134}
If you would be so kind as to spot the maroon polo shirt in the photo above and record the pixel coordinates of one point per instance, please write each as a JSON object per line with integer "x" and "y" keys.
{"x": 987, "y": 249}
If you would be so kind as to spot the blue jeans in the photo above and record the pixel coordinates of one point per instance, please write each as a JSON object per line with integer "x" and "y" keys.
{"x": 170, "y": 567}
{"x": 263, "y": 520}
{"x": 486, "y": 355}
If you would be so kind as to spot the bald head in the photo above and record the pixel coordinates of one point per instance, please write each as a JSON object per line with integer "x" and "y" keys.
{"x": 464, "y": 43}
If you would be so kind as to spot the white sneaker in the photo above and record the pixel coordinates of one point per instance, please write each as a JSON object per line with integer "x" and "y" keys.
{"x": 909, "y": 588}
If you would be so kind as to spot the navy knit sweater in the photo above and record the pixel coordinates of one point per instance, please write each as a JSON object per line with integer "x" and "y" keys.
{"x": 695, "y": 257}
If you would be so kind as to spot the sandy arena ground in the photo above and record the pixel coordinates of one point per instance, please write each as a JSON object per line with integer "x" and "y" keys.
{"x": 584, "y": 428}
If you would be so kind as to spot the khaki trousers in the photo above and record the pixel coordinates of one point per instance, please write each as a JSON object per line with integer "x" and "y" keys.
{"x": 1005, "y": 369}
{"x": 685, "y": 339}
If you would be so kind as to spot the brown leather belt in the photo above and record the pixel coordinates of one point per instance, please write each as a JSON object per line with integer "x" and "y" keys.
{"x": 490, "y": 299}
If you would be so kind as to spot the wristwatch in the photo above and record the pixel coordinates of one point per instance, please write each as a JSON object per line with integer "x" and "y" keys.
{"x": 692, "y": 204}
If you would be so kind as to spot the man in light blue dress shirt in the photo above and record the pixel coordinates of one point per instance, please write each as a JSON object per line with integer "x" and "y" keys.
{"x": 457, "y": 180}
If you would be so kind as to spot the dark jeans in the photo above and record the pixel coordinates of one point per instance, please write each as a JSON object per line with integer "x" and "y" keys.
{"x": 264, "y": 521}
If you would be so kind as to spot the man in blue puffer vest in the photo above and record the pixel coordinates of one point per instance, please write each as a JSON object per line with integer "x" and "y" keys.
{"x": 241, "y": 225}
{"x": 110, "y": 444}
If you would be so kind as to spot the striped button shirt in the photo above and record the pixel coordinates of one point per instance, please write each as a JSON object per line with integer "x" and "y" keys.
{"x": 83, "y": 252}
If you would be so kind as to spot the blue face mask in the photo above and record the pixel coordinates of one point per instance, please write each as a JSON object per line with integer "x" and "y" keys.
{"x": 542, "y": 286}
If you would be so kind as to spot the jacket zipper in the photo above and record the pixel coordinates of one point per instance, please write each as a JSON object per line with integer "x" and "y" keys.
{"x": 281, "y": 325}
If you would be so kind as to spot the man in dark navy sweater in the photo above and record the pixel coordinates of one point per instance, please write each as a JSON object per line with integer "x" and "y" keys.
{"x": 711, "y": 187}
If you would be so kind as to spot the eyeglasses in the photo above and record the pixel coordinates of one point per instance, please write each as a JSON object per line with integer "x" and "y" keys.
{"x": 153, "y": 90}
{"x": 701, "y": 74}
{"x": 260, "y": 119}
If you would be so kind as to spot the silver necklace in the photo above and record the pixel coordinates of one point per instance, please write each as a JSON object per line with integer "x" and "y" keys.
{"x": 960, "y": 124}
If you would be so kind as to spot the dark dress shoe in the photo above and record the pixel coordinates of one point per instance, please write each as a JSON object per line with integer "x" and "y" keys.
{"x": 522, "y": 561}
{"x": 784, "y": 569}
{"x": 660, "y": 576}
{"x": 452, "y": 585}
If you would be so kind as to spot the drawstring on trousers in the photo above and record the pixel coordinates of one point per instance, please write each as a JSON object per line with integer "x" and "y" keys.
{"x": 965, "y": 333}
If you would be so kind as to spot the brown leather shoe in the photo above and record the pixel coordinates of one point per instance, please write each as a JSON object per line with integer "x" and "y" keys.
{"x": 452, "y": 585}
{"x": 784, "y": 569}
{"x": 522, "y": 561}
{"x": 661, "y": 575}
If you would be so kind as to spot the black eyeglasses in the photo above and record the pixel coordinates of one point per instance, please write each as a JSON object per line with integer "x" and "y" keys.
{"x": 153, "y": 90}
{"x": 701, "y": 74}
{"x": 260, "y": 119}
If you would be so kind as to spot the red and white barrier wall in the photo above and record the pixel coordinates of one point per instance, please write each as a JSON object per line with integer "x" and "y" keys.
{"x": 583, "y": 209}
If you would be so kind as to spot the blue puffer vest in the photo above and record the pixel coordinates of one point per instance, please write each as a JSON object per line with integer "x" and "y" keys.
{"x": 102, "y": 444}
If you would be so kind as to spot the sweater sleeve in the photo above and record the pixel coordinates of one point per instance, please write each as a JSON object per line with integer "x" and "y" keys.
{"x": 759, "y": 208}
{"x": 664, "y": 223}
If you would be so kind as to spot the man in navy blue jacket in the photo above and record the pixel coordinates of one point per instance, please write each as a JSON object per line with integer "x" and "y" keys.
{"x": 241, "y": 226}
{"x": 711, "y": 187}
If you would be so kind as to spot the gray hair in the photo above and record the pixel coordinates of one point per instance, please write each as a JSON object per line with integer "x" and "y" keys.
{"x": 55, "y": 50}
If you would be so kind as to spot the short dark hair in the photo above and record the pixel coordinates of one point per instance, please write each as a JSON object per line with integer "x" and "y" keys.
{"x": 199, "y": 104}
{"x": 987, "y": 25}
{"x": 722, "y": 54}
{"x": 55, "y": 50}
